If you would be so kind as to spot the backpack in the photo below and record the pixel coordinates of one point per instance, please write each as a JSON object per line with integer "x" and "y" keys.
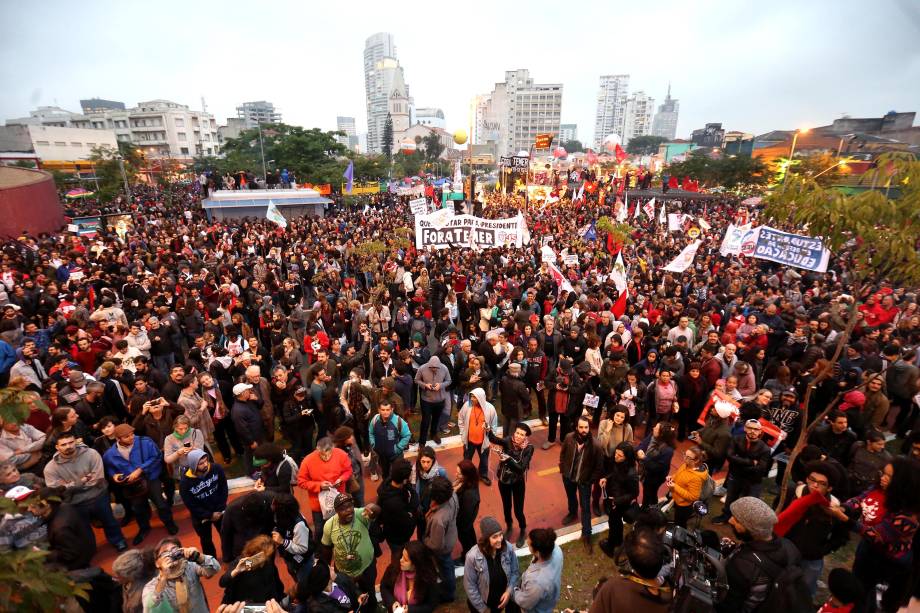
{"x": 788, "y": 591}
{"x": 286, "y": 459}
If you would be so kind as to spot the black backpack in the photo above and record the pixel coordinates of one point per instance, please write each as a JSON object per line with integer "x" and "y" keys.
{"x": 787, "y": 591}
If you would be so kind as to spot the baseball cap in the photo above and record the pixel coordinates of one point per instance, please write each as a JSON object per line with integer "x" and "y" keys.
{"x": 239, "y": 388}
{"x": 19, "y": 493}
{"x": 343, "y": 500}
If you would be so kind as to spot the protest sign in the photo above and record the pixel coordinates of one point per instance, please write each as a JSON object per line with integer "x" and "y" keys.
{"x": 684, "y": 259}
{"x": 734, "y": 236}
{"x": 419, "y": 206}
{"x": 439, "y": 233}
{"x": 791, "y": 249}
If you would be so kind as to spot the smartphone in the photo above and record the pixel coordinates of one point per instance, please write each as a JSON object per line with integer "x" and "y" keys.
{"x": 189, "y": 444}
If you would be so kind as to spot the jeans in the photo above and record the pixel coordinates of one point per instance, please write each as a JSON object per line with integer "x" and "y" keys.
{"x": 318, "y": 524}
{"x": 564, "y": 425}
{"x": 100, "y": 508}
{"x": 513, "y": 493}
{"x": 448, "y": 578}
{"x": 735, "y": 488}
{"x": 142, "y": 507}
{"x": 579, "y": 494}
{"x": 811, "y": 569}
{"x": 431, "y": 413}
{"x": 163, "y": 362}
{"x": 541, "y": 402}
{"x": 469, "y": 450}
{"x": 202, "y": 528}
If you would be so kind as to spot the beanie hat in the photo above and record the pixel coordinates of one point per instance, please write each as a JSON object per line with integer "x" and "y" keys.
{"x": 194, "y": 456}
{"x": 755, "y": 515}
{"x": 488, "y": 526}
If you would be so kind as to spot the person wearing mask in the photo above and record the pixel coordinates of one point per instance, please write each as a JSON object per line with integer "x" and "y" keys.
{"x": 514, "y": 455}
{"x": 491, "y": 569}
{"x": 411, "y": 580}
{"x": 441, "y": 533}
{"x": 135, "y": 463}
{"x": 248, "y": 423}
{"x": 466, "y": 487}
{"x": 347, "y": 541}
{"x": 541, "y": 582}
{"x": 686, "y": 485}
{"x": 655, "y": 453}
{"x": 203, "y": 488}
{"x": 637, "y": 590}
{"x": 177, "y": 586}
{"x": 620, "y": 489}
{"x": 399, "y": 510}
{"x": 326, "y": 468}
{"x": 581, "y": 462}
{"x": 476, "y": 417}
{"x": 253, "y": 577}
{"x": 748, "y": 463}
{"x": 79, "y": 470}
{"x": 389, "y": 436}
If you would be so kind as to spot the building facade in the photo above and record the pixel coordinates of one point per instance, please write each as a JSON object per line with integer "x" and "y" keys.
{"x": 429, "y": 116}
{"x": 711, "y": 135}
{"x": 158, "y": 128}
{"x": 610, "y": 116}
{"x": 98, "y": 105}
{"x": 522, "y": 110}
{"x": 665, "y": 122}
{"x": 347, "y": 125}
{"x": 55, "y": 143}
{"x": 383, "y": 77}
{"x": 260, "y": 111}
{"x": 639, "y": 110}
{"x": 567, "y": 132}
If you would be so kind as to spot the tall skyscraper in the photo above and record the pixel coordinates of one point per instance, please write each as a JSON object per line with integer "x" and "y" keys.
{"x": 639, "y": 110}
{"x": 567, "y": 132}
{"x": 610, "y": 117}
{"x": 665, "y": 122}
{"x": 347, "y": 125}
{"x": 385, "y": 88}
{"x": 260, "y": 111}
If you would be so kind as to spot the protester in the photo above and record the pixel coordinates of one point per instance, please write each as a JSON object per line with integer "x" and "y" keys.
{"x": 291, "y": 536}
{"x": 347, "y": 541}
{"x": 132, "y": 570}
{"x": 541, "y": 582}
{"x": 491, "y": 569}
{"x": 177, "y": 587}
{"x": 253, "y": 577}
{"x": 203, "y": 487}
{"x": 327, "y": 469}
{"x": 410, "y": 581}
{"x": 639, "y": 589}
{"x": 399, "y": 508}
{"x": 441, "y": 533}
{"x": 581, "y": 462}
{"x": 475, "y": 418}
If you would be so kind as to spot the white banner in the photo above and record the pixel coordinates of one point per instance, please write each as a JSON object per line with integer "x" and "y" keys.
{"x": 547, "y": 254}
{"x": 418, "y": 190}
{"x": 439, "y": 232}
{"x": 570, "y": 259}
{"x": 734, "y": 237}
{"x": 675, "y": 222}
{"x": 684, "y": 259}
{"x": 419, "y": 206}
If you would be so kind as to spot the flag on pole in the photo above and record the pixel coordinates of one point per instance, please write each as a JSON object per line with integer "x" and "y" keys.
{"x": 619, "y": 307}
{"x": 684, "y": 259}
{"x": 619, "y": 273}
{"x": 273, "y": 214}
{"x": 649, "y": 209}
{"x": 589, "y": 232}
{"x": 662, "y": 216}
{"x": 349, "y": 175}
{"x": 581, "y": 193}
{"x": 621, "y": 212}
{"x": 619, "y": 153}
{"x": 559, "y": 278}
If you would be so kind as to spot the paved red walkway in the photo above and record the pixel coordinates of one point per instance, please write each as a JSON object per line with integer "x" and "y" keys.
{"x": 545, "y": 506}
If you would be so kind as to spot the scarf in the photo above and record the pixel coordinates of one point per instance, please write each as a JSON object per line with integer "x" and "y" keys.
{"x": 182, "y": 436}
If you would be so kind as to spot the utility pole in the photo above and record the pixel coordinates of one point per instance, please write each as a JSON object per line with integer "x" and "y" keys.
{"x": 262, "y": 152}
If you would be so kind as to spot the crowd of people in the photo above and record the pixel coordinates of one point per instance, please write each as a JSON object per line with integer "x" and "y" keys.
{"x": 186, "y": 346}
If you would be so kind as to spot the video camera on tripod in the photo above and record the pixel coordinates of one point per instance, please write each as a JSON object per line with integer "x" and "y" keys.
{"x": 698, "y": 579}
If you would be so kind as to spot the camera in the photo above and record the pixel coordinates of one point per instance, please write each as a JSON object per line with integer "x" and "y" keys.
{"x": 698, "y": 575}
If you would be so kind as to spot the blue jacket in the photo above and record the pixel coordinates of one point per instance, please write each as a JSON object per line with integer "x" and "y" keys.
{"x": 144, "y": 455}
{"x": 476, "y": 574}
{"x": 389, "y": 438}
{"x": 205, "y": 495}
{"x": 540, "y": 585}
{"x": 7, "y": 356}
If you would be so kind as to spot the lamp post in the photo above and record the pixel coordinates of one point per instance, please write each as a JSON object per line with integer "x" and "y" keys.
{"x": 124, "y": 176}
{"x": 262, "y": 152}
{"x": 795, "y": 137}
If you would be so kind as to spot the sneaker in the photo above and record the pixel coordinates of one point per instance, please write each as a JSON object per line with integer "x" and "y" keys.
{"x": 486, "y": 481}
{"x": 122, "y": 546}
{"x": 437, "y": 440}
{"x": 547, "y": 445}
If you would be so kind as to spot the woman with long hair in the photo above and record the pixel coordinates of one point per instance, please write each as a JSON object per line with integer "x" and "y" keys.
{"x": 655, "y": 454}
{"x": 613, "y": 430}
{"x": 325, "y": 591}
{"x": 253, "y": 577}
{"x": 491, "y": 569}
{"x": 411, "y": 580}
{"x": 621, "y": 488}
{"x": 686, "y": 484}
{"x": 466, "y": 486}
{"x": 425, "y": 469}
{"x": 132, "y": 570}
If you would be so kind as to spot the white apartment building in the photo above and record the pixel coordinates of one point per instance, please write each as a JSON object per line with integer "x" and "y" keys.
{"x": 521, "y": 108}
{"x": 610, "y": 116}
{"x": 567, "y": 132}
{"x": 665, "y": 122}
{"x": 259, "y": 111}
{"x": 54, "y": 143}
{"x": 347, "y": 125}
{"x": 639, "y": 111}
{"x": 158, "y": 128}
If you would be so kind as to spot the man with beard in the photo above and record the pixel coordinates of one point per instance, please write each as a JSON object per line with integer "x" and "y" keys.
{"x": 787, "y": 416}
{"x": 759, "y": 559}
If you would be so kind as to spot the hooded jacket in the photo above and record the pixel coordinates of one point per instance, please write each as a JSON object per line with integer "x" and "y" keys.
{"x": 206, "y": 494}
{"x": 488, "y": 410}
{"x": 69, "y": 472}
{"x": 433, "y": 372}
{"x": 398, "y": 511}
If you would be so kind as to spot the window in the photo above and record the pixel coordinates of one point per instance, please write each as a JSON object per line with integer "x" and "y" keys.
{"x": 42, "y": 143}
{"x": 182, "y": 136}
{"x": 180, "y": 122}
{"x": 59, "y": 144}
{"x": 77, "y": 145}
{"x": 184, "y": 150}
{"x": 90, "y": 145}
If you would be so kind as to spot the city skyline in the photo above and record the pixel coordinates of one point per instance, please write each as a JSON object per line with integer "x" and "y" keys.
{"x": 780, "y": 73}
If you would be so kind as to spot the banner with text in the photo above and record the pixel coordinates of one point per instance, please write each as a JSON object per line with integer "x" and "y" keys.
{"x": 791, "y": 249}
{"x": 440, "y": 232}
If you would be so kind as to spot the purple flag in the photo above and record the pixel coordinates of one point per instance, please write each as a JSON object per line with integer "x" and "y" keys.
{"x": 350, "y": 175}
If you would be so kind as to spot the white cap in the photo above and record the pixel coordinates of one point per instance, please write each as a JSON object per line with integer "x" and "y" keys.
{"x": 239, "y": 388}
{"x": 20, "y": 492}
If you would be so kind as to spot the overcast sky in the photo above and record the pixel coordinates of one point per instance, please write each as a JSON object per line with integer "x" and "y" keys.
{"x": 754, "y": 66}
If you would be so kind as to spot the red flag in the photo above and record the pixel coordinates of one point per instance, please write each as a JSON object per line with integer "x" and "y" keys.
{"x": 619, "y": 153}
{"x": 613, "y": 247}
{"x": 694, "y": 186}
{"x": 686, "y": 184}
{"x": 619, "y": 307}
{"x": 672, "y": 182}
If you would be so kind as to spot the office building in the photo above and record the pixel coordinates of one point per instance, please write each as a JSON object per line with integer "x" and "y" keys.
{"x": 610, "y": 116}
{"x": 517, "y": 109}
{"x": 347, "y": 125}
{"x": 429, "y": 116}
{"x": 639, "y": 110}
{"x": 158, "y": 128}
{"x": 711, "y": 135}
{"x": 665, "y": 122}
{"x": 567, "y": 132}
{"x": 98, "y": 105}
{"x": 260, "y": 111}
{"x": 385, "y": 90}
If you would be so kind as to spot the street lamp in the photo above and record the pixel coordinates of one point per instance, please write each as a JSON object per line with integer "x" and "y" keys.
{"x": 124, "y": 176}
{"x": 795, "y": 137}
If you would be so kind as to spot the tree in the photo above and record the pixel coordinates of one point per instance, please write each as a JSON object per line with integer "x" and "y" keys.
{"x": 645, "y": 145}
{"x": 729, "y": 172}
{"x": 876, "y": 239}
{"x": 823, "y": 167}
{"x": 108, "y": 170}
{"x": 572, "y": 146}
{"x": 388, "y": 138}
{"x": 407, "y": 164}
{"x": 433, "y": 147}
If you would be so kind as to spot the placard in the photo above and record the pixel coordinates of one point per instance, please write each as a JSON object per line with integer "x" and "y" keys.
{"x": 419, "y": 206}
{"x": 438, "y": 231}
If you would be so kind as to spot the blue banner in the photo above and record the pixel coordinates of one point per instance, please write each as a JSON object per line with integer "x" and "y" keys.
{"x": 790, "y": 249}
